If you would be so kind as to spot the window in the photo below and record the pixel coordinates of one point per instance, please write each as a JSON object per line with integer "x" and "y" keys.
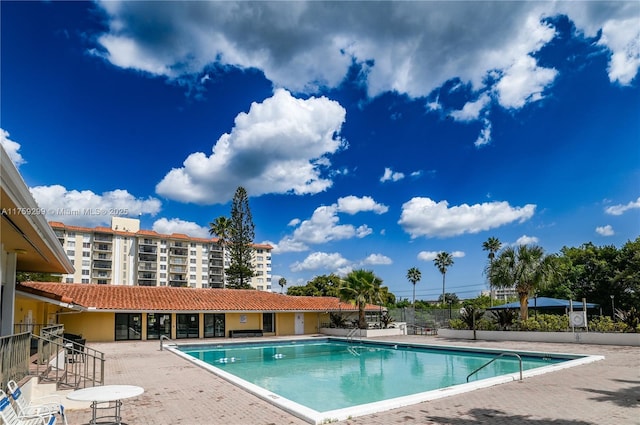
{"x": 192, "y": 269}
{"x": 71, "y": 252}
{"x": 163, "y": 258}
{"x": 163, "y": 275}
{"x": 86, "y": 244}
{"x": 192, "y": 277}
{"x": 128, "y": 326}
{"x": 163, "y": 267}
{"x": 71, "y": 244}
{"x": 158, "y": 324}
{"x": 192, "y": 245}
{"x": 268, "y": 322}
{"x": 194, "y": 253}
{"x": 86, "y": 254}
{"x": 85, "y": 280}
{"x": 163, "y": 250}
{"x": 259, "y": 258}
{"x": 69, "y": 280}
{"x": 213, "y": 325}
{"x": 86, "y": 263}
{"x": 187, "y": 325}
{"x": 85, "y": 272}
{"x": 193, "y": 261}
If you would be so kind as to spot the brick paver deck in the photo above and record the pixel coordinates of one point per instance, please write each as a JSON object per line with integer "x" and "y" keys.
{"x": 178, "y": 392}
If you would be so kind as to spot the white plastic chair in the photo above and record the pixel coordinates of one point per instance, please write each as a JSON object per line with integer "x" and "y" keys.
{"x": 10, "y": 417}
{"x": 37, "y": 407}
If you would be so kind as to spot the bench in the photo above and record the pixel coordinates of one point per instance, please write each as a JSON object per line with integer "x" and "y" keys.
{"x": 245, "y": 332}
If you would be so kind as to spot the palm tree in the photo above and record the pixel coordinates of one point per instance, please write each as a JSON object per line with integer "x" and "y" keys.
{"x": 442, "y": 261}
{"x": 492, "y": 245}
{"x": 221, "y": 228}
{"x": 282, "y": 282}
{"x": 414, "y": 275}
{"x": 527, "y": 269}
{"x": 360, "y": 287}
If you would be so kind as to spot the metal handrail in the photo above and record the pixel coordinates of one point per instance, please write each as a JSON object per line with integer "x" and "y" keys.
{"x": 496, "y": 358}
{"x": 163, "y": 337}
{"x": 351, "y": 334}
{"x": 70, "y": 363}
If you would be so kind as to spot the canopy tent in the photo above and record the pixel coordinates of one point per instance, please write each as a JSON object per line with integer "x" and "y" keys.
{"x": 544, "y": 303}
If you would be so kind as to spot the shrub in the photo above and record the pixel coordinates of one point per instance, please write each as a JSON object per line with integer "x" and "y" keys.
{"x": 503, "y": 319}
{"x": 602, "y": 324}
{"x": 457, "y": 324}
{"x": 630, "y": 318}
{"x": 486, "y": 325}
{"x": 471, "y": 316}
{"x": 530, "y": 324}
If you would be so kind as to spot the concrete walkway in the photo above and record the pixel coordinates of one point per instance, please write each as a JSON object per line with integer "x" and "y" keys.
{"x": 178, "y": 392}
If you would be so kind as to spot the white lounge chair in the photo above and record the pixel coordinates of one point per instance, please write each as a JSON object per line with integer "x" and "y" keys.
{"x": 42, "y": 406}
{"x": 10, "y": 417}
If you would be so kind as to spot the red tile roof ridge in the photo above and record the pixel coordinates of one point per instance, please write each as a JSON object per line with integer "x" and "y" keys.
{"x": 154, "y": 298}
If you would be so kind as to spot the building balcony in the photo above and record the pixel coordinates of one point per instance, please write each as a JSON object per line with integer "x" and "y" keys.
{"x": 147, "y": 282}
{"x": 149, "y": 242}
{"x": 102, "y": 238}
{"x": 103, "y": 265}
{"x": 178, "y": 261}
{"x": 101, "y": 275}
{"x": 102, "y": 247}
{"x": 146, "y": 276}
{"x": 101, "y": 256}
{"x": 145, "y": 249}
{"x": 177, "y": 269}
{"x": 178, "y": 252}
{"x": 179, "y": 245}
{"x": 148, "y": 266}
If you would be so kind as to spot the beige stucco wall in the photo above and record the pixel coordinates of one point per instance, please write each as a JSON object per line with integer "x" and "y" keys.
{"x": 94, "y": 327}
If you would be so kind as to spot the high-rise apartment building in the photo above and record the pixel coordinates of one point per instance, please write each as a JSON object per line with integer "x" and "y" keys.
{"x": 126, "y": 255}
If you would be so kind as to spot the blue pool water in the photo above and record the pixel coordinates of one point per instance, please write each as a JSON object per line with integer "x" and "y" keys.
{"x": 331, "y": 374}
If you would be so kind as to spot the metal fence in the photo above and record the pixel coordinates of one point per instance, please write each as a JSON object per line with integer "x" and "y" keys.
{"x": 14, "y": 357}
{"x": 424, "y": 318}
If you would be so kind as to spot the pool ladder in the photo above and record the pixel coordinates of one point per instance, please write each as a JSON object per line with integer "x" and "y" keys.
{"x": 493, "y": 360}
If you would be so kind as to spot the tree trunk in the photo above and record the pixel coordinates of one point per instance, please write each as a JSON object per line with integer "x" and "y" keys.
{"x": 524, "y": 305}
{"x": 362, "y": 320}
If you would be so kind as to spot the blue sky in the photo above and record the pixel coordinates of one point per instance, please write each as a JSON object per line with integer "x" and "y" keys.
{"x": 368, "y": 135}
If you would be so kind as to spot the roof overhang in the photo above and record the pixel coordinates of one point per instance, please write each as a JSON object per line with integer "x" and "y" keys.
{"x": 23, "y": 226}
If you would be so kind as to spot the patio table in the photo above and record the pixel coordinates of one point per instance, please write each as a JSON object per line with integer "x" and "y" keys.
{"x": 112, "y": 395}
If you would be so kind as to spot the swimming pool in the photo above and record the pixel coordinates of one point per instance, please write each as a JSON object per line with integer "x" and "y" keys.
{"x": 326, "y": 379}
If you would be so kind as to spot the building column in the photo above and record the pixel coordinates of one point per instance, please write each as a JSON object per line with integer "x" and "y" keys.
{"x": 8, "y": 293}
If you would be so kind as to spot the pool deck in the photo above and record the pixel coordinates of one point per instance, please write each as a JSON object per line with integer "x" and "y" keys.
{"x": 178, "y": 392}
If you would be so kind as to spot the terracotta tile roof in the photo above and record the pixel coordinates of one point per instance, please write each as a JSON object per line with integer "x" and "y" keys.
{"x": 151, "y": 298}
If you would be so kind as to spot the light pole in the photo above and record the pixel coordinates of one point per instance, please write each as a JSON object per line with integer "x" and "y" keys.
{"x": 613, "y": 306}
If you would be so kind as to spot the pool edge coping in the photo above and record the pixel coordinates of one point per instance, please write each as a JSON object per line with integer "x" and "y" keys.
{"x": 315, "y": 417}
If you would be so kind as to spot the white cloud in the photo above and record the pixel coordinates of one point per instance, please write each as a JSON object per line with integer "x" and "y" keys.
{"x": 85, "y": 208}
{"x": 331, "y": 262}
{"x": 324, "y": 225}
{"x": 353, "y": 205}
{"x": 431, "y": 255}
{"x": 390, "y": 175}
{"x": 620, "y": 33}
{"x": 621, "y": 209}
{"x": 625, "y": 57}
{"x": 471, "y": 110}
{"x": 605, "y": 230}
{"x": 523, "y": 82}
{"x": 427, "y": 255}
{"x": 425, "y": 217}
{"x": 376, "y": 259}
{"x": 175, "y": 225}
{"x": 484, "y": 137}
{"x": 280, "y": 146}
{"x": 11, "y": 147}
{"x": 526, "y": 240}
{"x": 306, "y": 45}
